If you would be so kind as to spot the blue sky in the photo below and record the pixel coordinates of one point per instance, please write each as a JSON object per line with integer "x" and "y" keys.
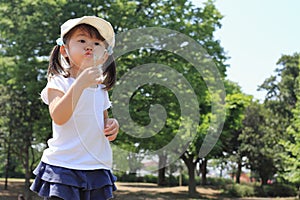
{"x": 255, "y": 34}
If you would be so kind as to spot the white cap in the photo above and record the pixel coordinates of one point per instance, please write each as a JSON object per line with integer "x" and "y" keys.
{"x": 103, "y": 26}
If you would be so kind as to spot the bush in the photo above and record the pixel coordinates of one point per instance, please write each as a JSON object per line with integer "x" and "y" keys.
{"x": 150, "y": 179}
{"x": 238, "y": 190}
{"x": 219, "y": 182}
{"x": 248, "y": 190}
{"x": 279, "y": 190}
{"x": 123, "y": 177}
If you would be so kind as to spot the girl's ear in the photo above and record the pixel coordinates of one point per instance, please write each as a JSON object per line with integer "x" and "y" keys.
{"x": 63, "y": 51}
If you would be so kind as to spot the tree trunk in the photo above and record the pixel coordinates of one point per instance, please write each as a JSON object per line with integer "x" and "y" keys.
{"x": 264, "y": 179}
{"x": 180, "y": 178}
{"x": 162, "y": 177}
{"x": 27, "y": 171}
{"x": 192, "y": 181}
{"x": 203, "y": 167}
{"x": 7, "y": 167}
{"x": 8, "y": 156}
{"x": 191, "y": 171}
{"x": 162, "y": 170}
{"x": 238, "y": 172}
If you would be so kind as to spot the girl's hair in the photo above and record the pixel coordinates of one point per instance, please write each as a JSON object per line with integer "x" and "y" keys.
{"x": 55, "y": 67}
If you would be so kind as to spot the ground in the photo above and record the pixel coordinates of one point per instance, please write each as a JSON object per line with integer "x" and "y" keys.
{"x": 135, "y": 191}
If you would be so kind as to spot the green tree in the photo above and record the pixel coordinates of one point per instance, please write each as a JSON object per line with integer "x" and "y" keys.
{"x": 292, "y": 142}
{"x": 292, "y": 146}
{"x": 28, "y": 33}
{"x": 22, "y": 73}
{"x": 259, "y": 143}
{"x": 198, "y": 23}
{"x": 282, "y": 99}
{"x": 236, "y": 106}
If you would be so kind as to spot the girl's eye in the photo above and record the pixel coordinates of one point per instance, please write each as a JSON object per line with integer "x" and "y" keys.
{"x": 97, "y": 43}
{"x": 82, "y": 41}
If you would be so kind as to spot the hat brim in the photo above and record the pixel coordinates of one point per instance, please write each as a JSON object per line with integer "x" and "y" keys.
{"x": 104, "y": 27}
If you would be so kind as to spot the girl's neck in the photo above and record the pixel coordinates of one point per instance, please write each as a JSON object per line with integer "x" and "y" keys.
{"x": 75, "y": 72}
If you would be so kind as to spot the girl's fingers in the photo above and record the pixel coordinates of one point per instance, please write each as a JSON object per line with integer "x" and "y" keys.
{"x": 111, "y": 129}
{"x": 111, "y": 137}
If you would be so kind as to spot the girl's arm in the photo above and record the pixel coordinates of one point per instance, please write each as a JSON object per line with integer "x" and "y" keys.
{"x": 61, "y": 106}
{"x": 111, "y": 127}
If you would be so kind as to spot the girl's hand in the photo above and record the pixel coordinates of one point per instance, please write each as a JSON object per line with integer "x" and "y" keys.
{"x": 111, "y": 128}
{"x": 89, "y": 77}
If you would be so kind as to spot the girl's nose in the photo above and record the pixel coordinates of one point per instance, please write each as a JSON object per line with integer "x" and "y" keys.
{"x": 88, "y": 48}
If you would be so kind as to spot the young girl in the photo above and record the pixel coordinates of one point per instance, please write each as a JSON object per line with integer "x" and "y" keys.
{"x": 77, "y": 163}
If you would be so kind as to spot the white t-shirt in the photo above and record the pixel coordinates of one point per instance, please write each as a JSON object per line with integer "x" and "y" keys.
{"x": 80, "y": 143}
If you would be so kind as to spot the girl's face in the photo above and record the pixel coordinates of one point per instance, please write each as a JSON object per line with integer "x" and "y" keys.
{"x": 85, "y": 51}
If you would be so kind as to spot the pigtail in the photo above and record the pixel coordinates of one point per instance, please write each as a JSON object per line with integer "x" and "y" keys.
{"x": 55, "y": 66}
{"x": 110, "y": 72}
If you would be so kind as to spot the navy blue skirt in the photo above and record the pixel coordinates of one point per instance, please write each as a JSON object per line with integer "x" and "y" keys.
{"x": 53, "y": 181}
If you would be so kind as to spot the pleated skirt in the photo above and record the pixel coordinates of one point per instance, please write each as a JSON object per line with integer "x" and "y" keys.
{"x": 70, "y": 184}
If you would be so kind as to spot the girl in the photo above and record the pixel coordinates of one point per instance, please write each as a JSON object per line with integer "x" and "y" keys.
{"x": 77, "y": 163}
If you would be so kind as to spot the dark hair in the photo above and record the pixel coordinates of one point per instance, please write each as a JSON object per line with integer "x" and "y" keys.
{"x": 55, "y": 66}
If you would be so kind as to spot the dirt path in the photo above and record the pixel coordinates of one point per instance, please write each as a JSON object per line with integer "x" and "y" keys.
{"x": 139, "y": 191}
{"x": 136, "y": 191}
{"x": 149, "y": 191}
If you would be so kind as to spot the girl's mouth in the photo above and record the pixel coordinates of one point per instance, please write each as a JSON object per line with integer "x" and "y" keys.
{"x": 89, "y": 54}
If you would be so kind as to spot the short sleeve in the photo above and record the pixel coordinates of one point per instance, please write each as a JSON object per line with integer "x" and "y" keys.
{"x": 107, "y": 102}
{"x": 57, "y": 82}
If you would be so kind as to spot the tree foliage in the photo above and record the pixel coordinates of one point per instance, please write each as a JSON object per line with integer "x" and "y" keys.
{"x": 28, "y": 30}
{"x": 282, "y": 101}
